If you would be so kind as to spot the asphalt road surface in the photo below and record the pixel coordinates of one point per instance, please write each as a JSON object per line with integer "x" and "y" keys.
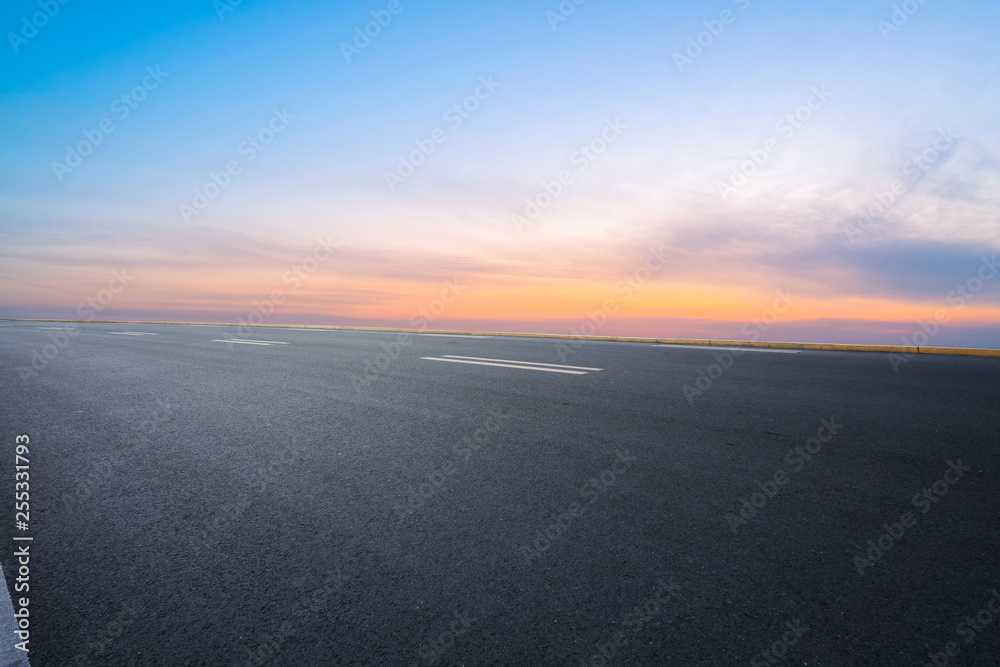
{"x": 324, "y": 497}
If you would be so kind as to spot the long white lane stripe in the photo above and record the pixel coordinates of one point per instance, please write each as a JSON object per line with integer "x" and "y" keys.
{"x": 251, "y": 340}
{"x": 486, "y": 363}
{"x": 720, "y": 347}
{"x": 241, "y": 342}
{"x": 529, "y": 363}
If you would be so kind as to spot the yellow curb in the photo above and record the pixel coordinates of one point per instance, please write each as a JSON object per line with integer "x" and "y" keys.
{"x": 899, "y": 349}
{"x": 839, "y": 347}
{"x": 970, "y": 351}
{"x": 842, "y": 347}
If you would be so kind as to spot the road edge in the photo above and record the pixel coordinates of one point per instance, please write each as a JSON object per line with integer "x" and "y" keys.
{"x": 9, "y": 655}
{"x": 837, "y": 347}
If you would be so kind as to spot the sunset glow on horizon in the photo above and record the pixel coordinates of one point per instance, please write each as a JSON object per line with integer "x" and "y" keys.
{"x": 626, "y": 169}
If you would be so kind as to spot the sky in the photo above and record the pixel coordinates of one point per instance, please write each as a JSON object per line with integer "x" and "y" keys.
{"x": 815, "y": 172}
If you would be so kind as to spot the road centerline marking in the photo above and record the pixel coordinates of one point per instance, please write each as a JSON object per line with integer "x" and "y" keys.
{"x": 528, "y": 363}
{"x": 488, "y": 363}
{"x": 247, "y": 341}
{"x": 242, "y": 342}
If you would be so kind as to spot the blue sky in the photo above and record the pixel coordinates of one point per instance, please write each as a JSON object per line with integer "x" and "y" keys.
{"x": 889, "y": 94}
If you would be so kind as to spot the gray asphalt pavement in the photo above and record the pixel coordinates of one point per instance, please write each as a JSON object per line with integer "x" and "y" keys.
{"x": 324, "y": 497}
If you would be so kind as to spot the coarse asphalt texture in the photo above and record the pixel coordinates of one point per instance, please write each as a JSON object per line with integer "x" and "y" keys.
{"x": 330, "y": 497}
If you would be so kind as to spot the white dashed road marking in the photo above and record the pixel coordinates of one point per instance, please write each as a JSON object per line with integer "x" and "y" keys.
{"x": 251, "y": 342}
{"x": 508, "y": 363}
{"x": 529, "y": 363}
